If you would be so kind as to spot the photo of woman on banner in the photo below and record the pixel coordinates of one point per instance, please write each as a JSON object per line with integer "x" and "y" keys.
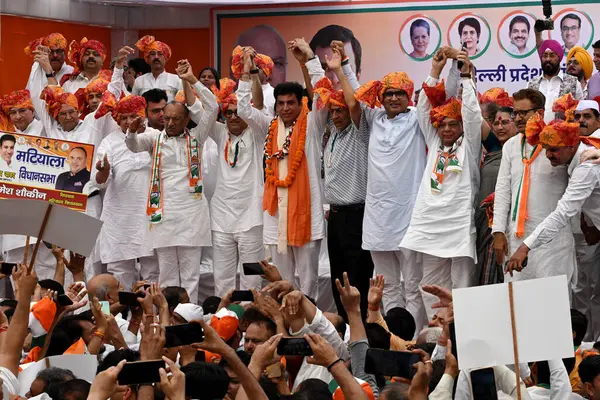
{"x": 419, "y": 37}
{"x": 471, "y": 32}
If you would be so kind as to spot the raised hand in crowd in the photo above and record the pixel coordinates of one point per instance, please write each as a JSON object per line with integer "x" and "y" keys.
{"x": 76, "y": 265}
{"x": 185, "y": 72}
{"x": 153, "y": 341}
{"x": 105, "y": 384}
{"x": 438, "y": 63}
{"x": 173, "y": 385}
{"x": 301, "y": 50}
{"x": 103, "y": 168}
{"x": 420, "y": 381}
{"x": 278, "y": 289}
{"x": 271, "y": 273}
{"x": 122, "y": 55}
{"x": 137, "y": 125}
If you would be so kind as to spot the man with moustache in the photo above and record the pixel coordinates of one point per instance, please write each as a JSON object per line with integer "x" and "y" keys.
{"x": 87, "y": 56}
{"x": 265, "y": 39}
{"x": 527, "y": 191}
{"x": 553, "y": 83}
{"x": 156, "y": 54}
{"x": 58, "y": 47}
{"x": 581, "y": 66}
{"x": 518, "y": 32}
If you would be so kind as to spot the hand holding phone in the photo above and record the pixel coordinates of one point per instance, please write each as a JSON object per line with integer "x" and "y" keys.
{"x": 483, "y": 384}
{"x": 391, "y": 363}
{"x": 183, "y": 334}
{"x": 130, "y": 298}
{"x": 7, "y": 268}
{"x": 242, "y": 295}
{"x": 253, "y": 269}
{"x": 140, "y": 372}
{"x": 460, "y": 64}
{"x": 294, "y": 347}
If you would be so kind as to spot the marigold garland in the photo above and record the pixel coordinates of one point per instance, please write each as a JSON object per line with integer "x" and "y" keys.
{"x": 270, "y": 144}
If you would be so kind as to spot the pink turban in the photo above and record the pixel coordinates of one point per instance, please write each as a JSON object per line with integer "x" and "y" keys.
{"x": 552, "y": 45}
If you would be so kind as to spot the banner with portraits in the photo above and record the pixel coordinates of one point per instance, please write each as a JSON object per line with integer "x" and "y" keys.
{"x": 39, "y": 168}
{"x": 403, "y": 36}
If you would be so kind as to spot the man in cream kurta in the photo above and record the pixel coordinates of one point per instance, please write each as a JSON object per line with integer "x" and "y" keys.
{"x": 442, "y": 227}
{"x": 184, "y": 228}
{"x": 292, "y": 259}
{"x": 546, "y": 186}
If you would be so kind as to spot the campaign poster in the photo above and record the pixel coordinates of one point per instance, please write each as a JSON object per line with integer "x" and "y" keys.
{"x": 386, "y": 36}
{"x": 39, "y": 168}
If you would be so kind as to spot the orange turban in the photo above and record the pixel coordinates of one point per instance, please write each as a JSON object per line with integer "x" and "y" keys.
{"x": 262, "y": 61}
{"x": 565, "y": 104}
{"x": 557, "y": 133}
{"x": 180, "y": 96}
{"x": 148, "y": 44}
{"x": 52, "y": 40}
{"x": 328, "y": 95}
{"x": 97, "y": 85}
{"x": 440, "y": 106}
{"x": 371, "y": 93}
{"x": 77, "y": 50}
{"x": 55, "y": 97}
{"x": 131, "y": 104}
{"x": 16, "y": 99}
{"x": 225, "y": 322}
{"x": 496, "y": 95}
{"x": 225, "y": 96}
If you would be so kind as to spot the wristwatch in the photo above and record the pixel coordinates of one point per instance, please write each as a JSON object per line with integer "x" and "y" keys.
{"x": 51, "y": 75}
{"x": 254, "y": 71}
{"x": 465, "y": 75}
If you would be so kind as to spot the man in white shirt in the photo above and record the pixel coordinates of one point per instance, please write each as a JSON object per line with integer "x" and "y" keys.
{"x": 236, "y": 205}
{"x": 177, "y": 209}
{"x": 87, "y": 56}
{"x": 263, "y": 67}
{"x": 156, "y": 101}
{"x": 396, "y": 160}
{"x": 57, "y": 45}
{"x": 292, "y": 201}
{"x": 527, "y": 191}
{"x": 553, "y": 83}
{"x": 7, "y": 150}
{"x": 564, "y": 146}
{"x": 156, "y": 54}
{"x": 17, "y": 106}
{"x": 442, "y": 227}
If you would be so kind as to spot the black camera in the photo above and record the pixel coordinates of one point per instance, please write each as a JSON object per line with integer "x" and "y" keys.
{"x": 546, "y": 24}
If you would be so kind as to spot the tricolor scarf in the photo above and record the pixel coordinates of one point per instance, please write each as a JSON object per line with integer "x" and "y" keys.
{"x": 155, "y": 199}
{"x": 447, "y": 160}
{"x": 520, "y": 213}
{"x": 287, "y": 188}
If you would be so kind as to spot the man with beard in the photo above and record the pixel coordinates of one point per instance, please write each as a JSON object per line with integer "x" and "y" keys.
{"x": 527, "y": 191}
{"x": 581, "y": 66}
{"x": 156, "y": 54}
{"x": 553, "y": 83}
{"x": 58, "y": 47}
{"x": 87, "y": 56}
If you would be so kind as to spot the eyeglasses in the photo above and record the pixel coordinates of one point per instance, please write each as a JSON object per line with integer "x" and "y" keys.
{"x": 572, "y": 61}
{"x": 521, "y": 113}
{"x": 566, "y": 29}
{"x": 504, "y": 123}
{"x": 449, "y": 125}
{"x": 230, "y": 113}
{"x": 390, "y": 95}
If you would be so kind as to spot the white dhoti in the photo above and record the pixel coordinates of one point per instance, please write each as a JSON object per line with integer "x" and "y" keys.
{"x": 127, "y": 273}
{"x": 305, "y": 261}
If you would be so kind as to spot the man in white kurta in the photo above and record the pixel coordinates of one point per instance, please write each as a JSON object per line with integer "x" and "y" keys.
{"x": 57, "y": 46}
{"x": 184, "y": 224}
{"x": 546, "y": 186}
{"x": 291, "y": 259}
{"x": 156, "y": 54}
{"x": 442, "y": 227}
{"x": 124, "y": 177}
{"x": 88, "y": 56}
{"x": 396, "y": 163}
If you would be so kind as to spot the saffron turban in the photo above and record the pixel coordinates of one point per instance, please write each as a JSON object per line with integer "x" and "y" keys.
{"x": 328, "y": 95}
{"x": 584, "y": 59}
{"x": 55, "y": 97}
{"x": 565, "y": 104}
{"x": 371, "y": 93}
{"x": 262, "y": 61}
{"x": 498, "y": 96}
{"x": 52, "y": 40}
{"x": 97, "y": 85}
{"x": 16, "y": 99}
{"x": 77, "y": 50}
{"x": 551, "y": 45}
{"x": 440, "y": 106}
{"x": 226, "y": 95}
{"x": 131, "y": 104}
{"x": 557, "y": 133}
{"x": 148, "y": 44}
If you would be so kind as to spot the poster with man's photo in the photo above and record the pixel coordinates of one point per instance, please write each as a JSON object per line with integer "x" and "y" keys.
{"x": 40, "y": 168}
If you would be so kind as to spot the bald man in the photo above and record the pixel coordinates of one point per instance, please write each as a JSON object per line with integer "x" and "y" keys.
{"x": 266, "y": 40}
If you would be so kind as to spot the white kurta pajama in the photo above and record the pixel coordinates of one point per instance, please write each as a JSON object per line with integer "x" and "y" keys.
{"x": 166, "y": 81}
{"x": 396, "y": 164}
{"x": 305, "y": 259}
{"x": 442, "y": 227}
{"x": 546, "y": 186}
{"x": 185, "y": 225}
{"x": 125, "y": 233}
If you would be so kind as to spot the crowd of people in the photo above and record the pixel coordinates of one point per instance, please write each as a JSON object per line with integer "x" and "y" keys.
{"x": 412, "y": 193}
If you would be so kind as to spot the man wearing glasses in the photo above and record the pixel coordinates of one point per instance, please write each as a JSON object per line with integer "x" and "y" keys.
{"x": 57, "y": 44}
{"x": 527, "y": 191}
{"x": 570, "y": 31}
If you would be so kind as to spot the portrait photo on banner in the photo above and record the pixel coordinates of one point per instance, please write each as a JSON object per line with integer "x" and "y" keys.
{"x": 419, "y": 37}
{"x": 470, "y": 31}
{"x": 572, "y": 28}
{"x": 516, "y": 35}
